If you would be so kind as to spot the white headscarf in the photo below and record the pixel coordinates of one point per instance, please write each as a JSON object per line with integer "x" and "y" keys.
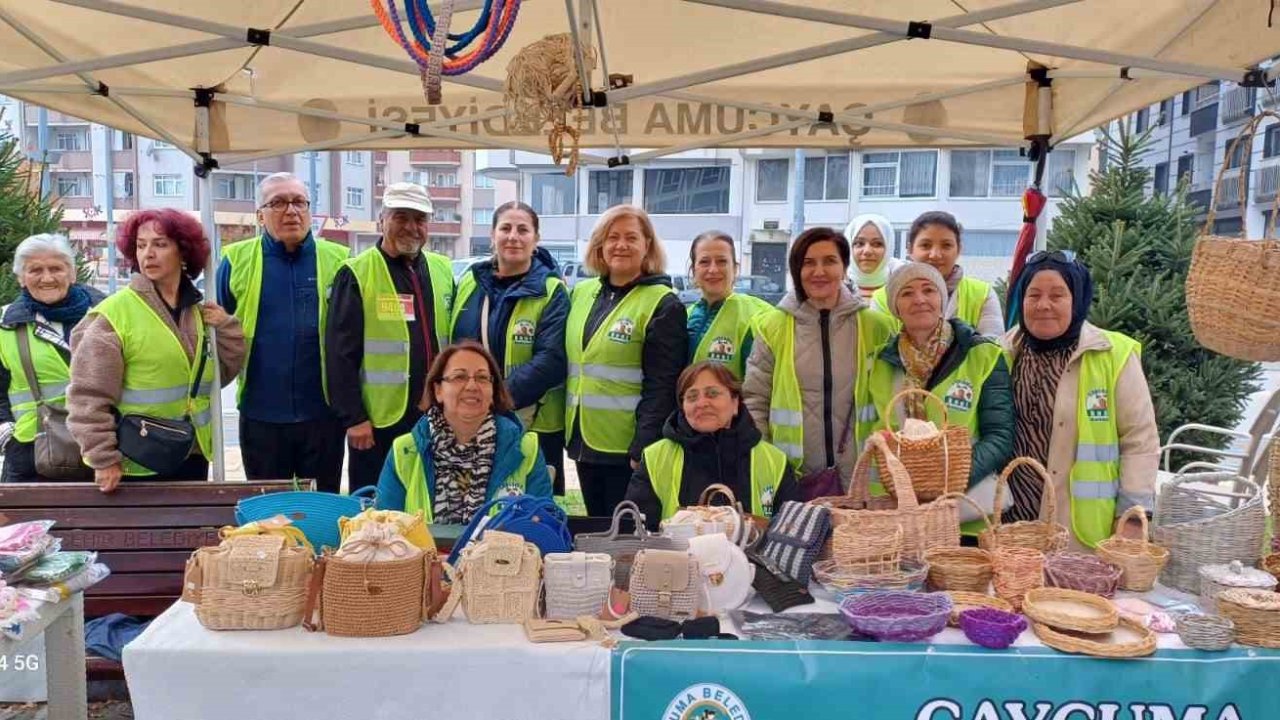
{"x": 876, "y": 278}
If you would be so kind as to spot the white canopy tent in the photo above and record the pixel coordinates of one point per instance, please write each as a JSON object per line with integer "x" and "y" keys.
{"x": 702, "y": 73}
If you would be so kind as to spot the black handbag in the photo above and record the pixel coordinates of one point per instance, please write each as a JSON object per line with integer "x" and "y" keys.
{"x": 160, "y": 445}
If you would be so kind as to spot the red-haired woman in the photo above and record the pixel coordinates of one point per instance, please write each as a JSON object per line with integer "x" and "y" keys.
{"x": 140, "y": 351}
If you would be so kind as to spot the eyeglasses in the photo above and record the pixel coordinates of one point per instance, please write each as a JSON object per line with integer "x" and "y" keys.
{"x": 461, "y": 379}
{"x": 713, "y": 394}
{"x": 1062, "y": 256}
{"x": 279, "y": 205}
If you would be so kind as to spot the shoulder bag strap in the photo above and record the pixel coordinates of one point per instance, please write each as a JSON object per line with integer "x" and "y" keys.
{"x": 28, "y": 369}
{"x": 313, "y": 616}
{"x": 204, "y": 356}
{"x": 844, "y": 434}
{"x": 484, "y": 318}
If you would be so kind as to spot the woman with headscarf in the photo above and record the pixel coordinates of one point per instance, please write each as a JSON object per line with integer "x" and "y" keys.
{"x": 872, "y": 238}
{"x": 1083, "y": 406}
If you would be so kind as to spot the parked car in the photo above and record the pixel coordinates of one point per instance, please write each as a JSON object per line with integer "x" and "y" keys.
{"x": 461, "y": 265}
{"x": 760, "y": 286}
{"x": 685, "y": 289}
{"x": 573, "y": 271}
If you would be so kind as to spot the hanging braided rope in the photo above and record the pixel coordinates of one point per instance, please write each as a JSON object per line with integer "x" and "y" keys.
{"x": 427, "y": 41}
{"x": 543, "y": 87}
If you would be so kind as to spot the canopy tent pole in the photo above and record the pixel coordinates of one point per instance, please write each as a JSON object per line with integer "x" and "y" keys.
{"x": 204, "y": 172}
{"x": 578, "y": 55}
{"x": 934, "y": 31}
{"x": 839, "y": 47}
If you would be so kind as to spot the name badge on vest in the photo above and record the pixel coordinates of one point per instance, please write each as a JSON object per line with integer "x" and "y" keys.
{"x": 1097, "y": 406}
{"x": 522, "y": 333}
{"x": 389, "y": 307}
{"x": 959, "y": 396}
{"x": 407, "y": 308}
{"x": 721, "y": 349}
{"x": 622, "y": 330}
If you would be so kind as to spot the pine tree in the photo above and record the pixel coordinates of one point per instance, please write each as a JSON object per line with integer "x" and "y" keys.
{"x": 1138, "y": 250}
{"x": 22, "y": 211}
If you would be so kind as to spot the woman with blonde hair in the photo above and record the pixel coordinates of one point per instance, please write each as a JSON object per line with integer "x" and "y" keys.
{"x": 626, "y": 345}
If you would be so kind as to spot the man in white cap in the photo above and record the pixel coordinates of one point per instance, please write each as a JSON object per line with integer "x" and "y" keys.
{"x": 388, "y": 320}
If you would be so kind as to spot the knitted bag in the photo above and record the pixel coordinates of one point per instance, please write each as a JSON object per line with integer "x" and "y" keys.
{"x": 497, "y": 580}
{"x": 576, "y": 583}
{"x": 536, "y": 519}
{"x": 249, "y": 582}
{"x": 665, "y": 584}
{"x": 623, "y": 548}
{"x": 795, "y": 537}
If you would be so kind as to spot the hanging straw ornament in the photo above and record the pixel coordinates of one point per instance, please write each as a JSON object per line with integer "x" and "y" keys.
{"x": 543, "y": 87}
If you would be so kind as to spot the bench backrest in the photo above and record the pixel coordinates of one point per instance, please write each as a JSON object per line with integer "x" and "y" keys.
{"x": 144, "y": 531}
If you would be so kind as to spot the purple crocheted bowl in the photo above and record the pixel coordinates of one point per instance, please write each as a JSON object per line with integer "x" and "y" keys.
{"x": 897, "y": 615}
{"x": 992, "y": 628}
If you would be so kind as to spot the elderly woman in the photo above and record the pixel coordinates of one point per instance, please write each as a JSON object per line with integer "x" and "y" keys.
{"x": 710, "y": 439}
{"x": 141, "y": 350}
{"x": 720, "y": 321}
{"x": 626, "y": 345}
{"x": 1082, "y": 402}
{"x": 516, "y": 305}
{"x": 871, "y": 236}
{"x": 964, "y": 370}
{"x": 38, "y": 325}
{"x": 468, "y": 448}
{"x": 806, "y": 385}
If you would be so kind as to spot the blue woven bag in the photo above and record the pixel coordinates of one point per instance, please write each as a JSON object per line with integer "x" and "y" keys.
{"x": 537, "y": 519}
{"x": 315, "y": 513}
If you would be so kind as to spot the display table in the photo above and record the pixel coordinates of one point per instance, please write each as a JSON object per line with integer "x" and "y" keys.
{"x": 62, "y": 625}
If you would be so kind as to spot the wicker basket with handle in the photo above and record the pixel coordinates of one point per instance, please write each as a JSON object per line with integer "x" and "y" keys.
{"x": 1045, "y": 534}
{"x": 251, "y": 582}
{"x": 1140, "y": 560}
{"x": 1207, "y": 518}
{"x": 937, "y": 464}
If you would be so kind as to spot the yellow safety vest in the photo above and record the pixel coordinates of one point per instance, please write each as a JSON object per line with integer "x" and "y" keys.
{"x": 410, "y": 470}
{"x": 777, "y": 329}
{"x": 52, "y": 372}
{"x": 605, "y": 378}
{"x": 971, "y": 295}
{"x": 664, "y": 460}
{"x": 722, "y": 342}
{"x": 384, "y": 369}
{"x": 547, "y": 415}
{"x": 245, "y": 259}
{"x": 157, "y": 372}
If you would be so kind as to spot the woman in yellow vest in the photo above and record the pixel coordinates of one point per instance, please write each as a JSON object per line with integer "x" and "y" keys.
{"x": 720, "y": 322}
{"x": 139, "y": 350}
{"x": 710, "y": 439}
{"x": 50, "y": 303}
{"x": 1083, "y": 406}
{"x": 934, "y": 238}
{"x": 516, "y": 305}
{"x": 807, "y": 385}
{"x": 964, "y": 370}
{"x": 871, "y": 237}
{"x": 626, "y": 345}
{"x": 468, "y": 448}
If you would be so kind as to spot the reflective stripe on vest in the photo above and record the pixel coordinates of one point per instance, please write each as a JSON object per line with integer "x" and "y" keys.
{"x": 971, "y": 296}
{"x": 384, "y": 369}
{"x": 776, "y": 329}
{"x": 52, "y": 372}
{"x": 157, "y": 371}
{"x": 605, "y": 378}
{"x": 1095, "y": 475}
{"x": 664, "y": 460}
{"x": 723, "y": 339}
{"x": 546, "y": 415}
{"x": 245, "y": 259}
{"x": 407, "y": 461}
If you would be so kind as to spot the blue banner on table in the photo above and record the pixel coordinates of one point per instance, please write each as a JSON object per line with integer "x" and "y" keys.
{"x": 727, "y": 680}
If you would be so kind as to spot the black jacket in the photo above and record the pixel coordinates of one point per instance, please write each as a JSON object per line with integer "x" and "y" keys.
{"x": 20, "y": 312}
{"x": 720, "y": 457}
{"x": 665, "y": 349}
{"x": 344, "y": 336}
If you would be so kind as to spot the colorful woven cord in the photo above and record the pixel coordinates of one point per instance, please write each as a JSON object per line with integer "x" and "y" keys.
{"x": 492, "y": 28}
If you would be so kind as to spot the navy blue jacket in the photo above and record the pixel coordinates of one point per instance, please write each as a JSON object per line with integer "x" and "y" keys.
{"x": 283, "y": 380}
{"x": 549, "y": 365}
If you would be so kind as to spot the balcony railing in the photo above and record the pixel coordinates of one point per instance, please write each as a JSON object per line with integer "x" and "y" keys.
{"x": 1238, "y": 103}
{"x": 445, "y": 192}
{"x": 435, "y": 157}
{"x": 1200, "y": 198}
{"x": 1229, "y": 190}
{"x": 1266, "y": 181}
{"x": 444, "y": 228}
{"x": 1206, "y": 94}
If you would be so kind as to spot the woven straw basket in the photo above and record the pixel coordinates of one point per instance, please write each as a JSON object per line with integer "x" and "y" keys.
{"x": 1207, "y": 518}
{"x": 1256, "y": 614}
{"x": 372, "y": 599}
{"x": 252, "y": 582}
{"x": 1140, "y": 561}
{"x": 1045, "y": 534}
{"x": 937, "y": 465}
{"x": 1015, "y": 572}
{"x": 1233, "y": 286}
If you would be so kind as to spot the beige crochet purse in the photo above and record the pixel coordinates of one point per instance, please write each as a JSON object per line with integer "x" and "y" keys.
{"x": 497, "y": 580}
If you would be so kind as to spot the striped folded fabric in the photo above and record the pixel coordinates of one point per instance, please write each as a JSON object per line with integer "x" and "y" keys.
{"x": 795, "y": 537}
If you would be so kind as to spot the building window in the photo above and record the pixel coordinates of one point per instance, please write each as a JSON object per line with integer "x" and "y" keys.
{"x": 771, "y": 179}
{"x": 988, "y": 173}
{"x": 1271, "y": 141}
{"x": 1142, "y": 120}
{"x": 1160, "y": 179}
{"x": 826, "y": 178}
{"x": 1236, "y": 159}
{"x": 900, "y": 174}
{"x": 73, "y": 186}
{"x": 446, "y": 215}
{"x": 1186, "y": 168}
{"x": 70, "y": 141}
{"x": 417, "y": 177}
{"x": 1186, "y": 103}
{"x": 989, "y": 243}
{"x": 482, "y": 216}
{"x": 483, "y": 182}
{"x": 355, "y": 197}
{"x": 1166, "y": 112}
{"x": 442, "y": 244}
{"x": 168, "y": 186}
{"x": 444, "y": 180}
{"x": 234, "y": 186}
{"x": 353, "y": 158}
{"x": 124, "y": 184}
{"x": 562, "y": 253}
{"x": 122, "y": 141}
{"x": 687, "y": 191}
{"x": 1061, "y": 172}
{"x": 606, "y": 188}
{"x": 554, "y": 194}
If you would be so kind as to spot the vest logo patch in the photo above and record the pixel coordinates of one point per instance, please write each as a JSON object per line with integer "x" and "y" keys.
{"x": 960, "y": 396}
{"x": 522, "y": 332}
{"x": 512, "y": 490}
{"x": 622, "y": 330}
{"x": 766, "y": 501}
{"x": 1097, "y": 406}
{"x": 721, "y": 349}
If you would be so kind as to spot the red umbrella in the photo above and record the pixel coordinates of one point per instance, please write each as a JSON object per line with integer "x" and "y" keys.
{"x": 1033, "y": 202}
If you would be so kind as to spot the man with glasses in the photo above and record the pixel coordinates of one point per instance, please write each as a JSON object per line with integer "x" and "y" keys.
{"x": 278, "y": 285}
{"x": 389, "y": 320}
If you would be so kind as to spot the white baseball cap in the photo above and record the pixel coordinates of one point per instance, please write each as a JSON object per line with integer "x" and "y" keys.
{"x": 407, "y": 195}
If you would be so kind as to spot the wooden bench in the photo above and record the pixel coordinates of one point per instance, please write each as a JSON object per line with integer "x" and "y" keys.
{"x": 144, "y": 532}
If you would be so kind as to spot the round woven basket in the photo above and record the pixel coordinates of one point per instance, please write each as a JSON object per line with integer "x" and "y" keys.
{"x": 1016, "y": 570}
{"x": 1078, "y": 571}
{"x": 373, "y": 599}
{"x": 992, "y": 628}
{"x": 1071, "y": 610}
{"x": 1256, "y": 614}
{"x": 866, "y": 549}
{"x": 1207, "y": 518}
{"x": 1206, "y": 632}
{"x": 1045, "y": 534}
{"x": 897, "y": 616}
{"x": 961, "y": 601}
{"x": 959, "y": 568}
{"x": 1140, "y": 561}
{"x": 1216, "y": 579}
{"x": 937, "y": 465}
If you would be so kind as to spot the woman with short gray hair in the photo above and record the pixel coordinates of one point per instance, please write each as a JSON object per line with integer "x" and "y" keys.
{"x": 48, "y": 307}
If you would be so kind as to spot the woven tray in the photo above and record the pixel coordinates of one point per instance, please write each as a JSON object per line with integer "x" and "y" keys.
{"x": 961, "y": 601}
{"x": 1256, "y": 614}
{"x": 1070, "y": 610}
{"x": 897, "y": 616}
{"x": 841, "y": 582}
{"x": 1128, "y": 639}
{"x": 1206, "y": 632}
{"x": 1216, "y": 579}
